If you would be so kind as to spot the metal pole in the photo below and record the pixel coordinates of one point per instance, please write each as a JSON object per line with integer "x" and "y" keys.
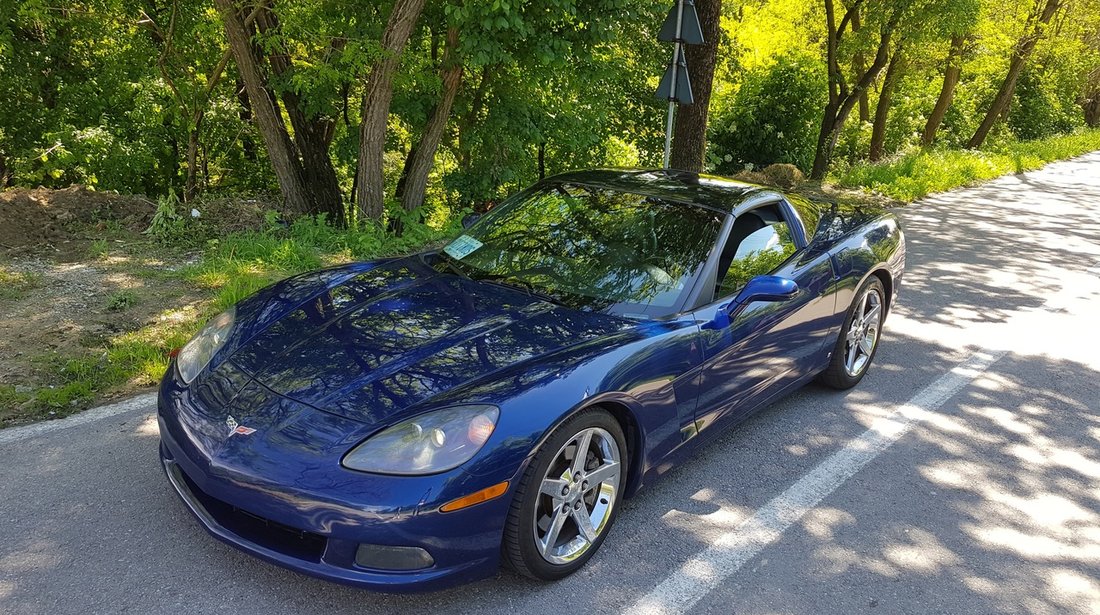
{"x": 668, "y": 131}
{"x": 672, "y": 88}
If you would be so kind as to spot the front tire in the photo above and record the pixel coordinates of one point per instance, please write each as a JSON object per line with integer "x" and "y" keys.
{"x": 568, "y": 498}
{"x": 858, "y": 341}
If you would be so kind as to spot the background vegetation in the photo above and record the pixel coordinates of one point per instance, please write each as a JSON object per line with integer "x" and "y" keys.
{"x": 478, "y": 97}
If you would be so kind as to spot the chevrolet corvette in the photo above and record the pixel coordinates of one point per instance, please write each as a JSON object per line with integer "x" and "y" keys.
{"x": 412, "y": 423}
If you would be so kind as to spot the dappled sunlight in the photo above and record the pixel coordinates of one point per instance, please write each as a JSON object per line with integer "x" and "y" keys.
{"x": 33, "y": 556}
{"x": 822, "y": 522}
{"x": 922, "y": 552}
{"x": 1081, "y": 589}
{"x": 148, "y": 427}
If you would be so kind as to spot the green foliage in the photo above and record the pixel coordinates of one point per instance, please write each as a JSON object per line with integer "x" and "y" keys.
{"x": 773, "y": 117}
{"x": 121, "y": 300}
{"x": 167, "y": 224}
{"x": 1037, "y": 112}
{"x": 918, "y": 173}
{"x": 108, "y": 93}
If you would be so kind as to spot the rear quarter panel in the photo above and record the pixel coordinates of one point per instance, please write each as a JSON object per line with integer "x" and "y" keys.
{"x": 863, "y": 241}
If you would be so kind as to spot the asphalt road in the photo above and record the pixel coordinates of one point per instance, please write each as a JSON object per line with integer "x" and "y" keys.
{"x": 961, "y": 476}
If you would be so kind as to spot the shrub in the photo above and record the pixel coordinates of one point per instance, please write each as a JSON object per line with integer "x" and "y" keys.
{"x": 773, "y": 117}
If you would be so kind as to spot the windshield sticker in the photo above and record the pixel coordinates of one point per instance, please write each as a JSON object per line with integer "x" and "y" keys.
{"x": 462, "y": 247}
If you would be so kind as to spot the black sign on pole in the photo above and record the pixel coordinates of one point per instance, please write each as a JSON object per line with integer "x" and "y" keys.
{"x": 681, "y": 28}
{"x": 691, "y": 32}
{"x": 675, "y": 85}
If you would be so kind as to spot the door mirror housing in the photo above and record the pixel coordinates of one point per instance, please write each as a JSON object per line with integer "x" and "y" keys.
{"x": 771, "y": 288}
{"x": 765, "y": 288}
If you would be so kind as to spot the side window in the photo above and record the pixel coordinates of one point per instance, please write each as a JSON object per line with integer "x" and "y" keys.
{"x": 759, "y": 241}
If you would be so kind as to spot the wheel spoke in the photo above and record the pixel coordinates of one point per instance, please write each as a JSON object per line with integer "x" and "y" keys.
{"x": 603, "y": 473}
{"x": 850, "y": 360}
{"x": 872, "y": 317}
{"x": 584, "y": 523}
{"x": 581, "y": 454}
{"x": 553, "y": 487}
{"x": 867, "y": 345}
{"x": 552, "y": 532}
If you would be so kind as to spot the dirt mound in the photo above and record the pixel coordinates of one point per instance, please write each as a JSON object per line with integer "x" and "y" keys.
{"x": 42, "y": 218}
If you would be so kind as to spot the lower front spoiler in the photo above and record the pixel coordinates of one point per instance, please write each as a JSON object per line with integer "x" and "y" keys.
{"x": 431, "y": 579}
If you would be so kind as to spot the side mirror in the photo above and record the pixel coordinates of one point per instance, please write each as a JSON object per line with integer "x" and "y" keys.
{"x": 761, "y": 288}
{"x": 470, "y": 219}
{"x": 765, "y": 288}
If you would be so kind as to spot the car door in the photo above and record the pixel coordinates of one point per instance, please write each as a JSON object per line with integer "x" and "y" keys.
{"x": 763, "y": 346}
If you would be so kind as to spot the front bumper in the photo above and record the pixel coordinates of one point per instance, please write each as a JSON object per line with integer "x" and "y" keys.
{"x": 317, "y": 530}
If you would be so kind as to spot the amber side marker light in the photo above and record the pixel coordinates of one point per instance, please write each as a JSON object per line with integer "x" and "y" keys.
{"x": 476, "y": 497}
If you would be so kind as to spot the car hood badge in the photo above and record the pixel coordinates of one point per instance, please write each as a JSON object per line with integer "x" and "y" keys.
{"x": 236, "y": 428}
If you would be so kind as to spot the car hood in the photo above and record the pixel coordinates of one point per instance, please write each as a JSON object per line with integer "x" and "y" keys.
{"x": 379, "y": 341}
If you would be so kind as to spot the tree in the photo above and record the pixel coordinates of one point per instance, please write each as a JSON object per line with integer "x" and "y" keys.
{"x": 194, "y": 96}
{"x": 689, "y": 143}
{"x": 882, "y": 108}
{"x": 952, "y": 71}
{"x": 842, "y": 98}
{"x": 371, "y": 195}
{"x": 414, "y": 181}
{"x": 302, "y": 164}
{"x": 1034, "y": 29}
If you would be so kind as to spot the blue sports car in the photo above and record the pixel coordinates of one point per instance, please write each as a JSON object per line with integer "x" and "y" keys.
{"x": 412, "y": 423}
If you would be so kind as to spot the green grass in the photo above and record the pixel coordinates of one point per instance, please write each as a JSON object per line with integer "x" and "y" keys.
{"x": 16, "y": 284}
{"x": 916, "y": 174}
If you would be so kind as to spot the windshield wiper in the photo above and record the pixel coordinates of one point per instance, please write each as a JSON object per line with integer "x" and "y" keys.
{"x": 521, "y": 284}
{"x": 446, "y": 260}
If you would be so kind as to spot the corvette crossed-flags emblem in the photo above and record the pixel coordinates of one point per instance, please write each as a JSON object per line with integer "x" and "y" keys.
{"x": 236, "y": 428}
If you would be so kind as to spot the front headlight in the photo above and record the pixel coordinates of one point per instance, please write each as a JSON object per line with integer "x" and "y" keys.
{"x": 193, "y": 357}
{"x": 433, "y": 442}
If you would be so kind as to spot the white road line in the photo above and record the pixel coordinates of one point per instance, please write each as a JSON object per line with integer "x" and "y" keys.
{"x": 703, "y": 572}
{"x": 15, "y": 434}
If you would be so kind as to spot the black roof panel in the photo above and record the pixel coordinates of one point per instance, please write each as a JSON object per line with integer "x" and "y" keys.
{"x": 666, "y": 184}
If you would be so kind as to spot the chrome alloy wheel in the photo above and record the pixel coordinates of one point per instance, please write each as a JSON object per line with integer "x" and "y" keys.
{"x": 577, "y": 495}
{"x": 863, "y": 333}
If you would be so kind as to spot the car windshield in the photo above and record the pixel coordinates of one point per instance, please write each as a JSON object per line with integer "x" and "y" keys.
{"x": 591, "y": 247}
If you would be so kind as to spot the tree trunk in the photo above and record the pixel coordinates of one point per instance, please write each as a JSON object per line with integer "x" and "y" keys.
{"x": 1020, "y": 55}
{"x": 841, "y": 99}
{"x": 689, "y": 143}
{"x": 542, "y": 160}
{"x": 416, "y": 180}
{"x": 248, "y": 146}
{"x": 470, "y": 118}
{"x": 280, "y": 149}
{"x": 370, "y": 198}
{"x": 859, "y": 65}
{"x": 190, "y": 186}
{"x": 951, "y": 74}
{"x": 312, "y": 135}
{"x": 5, "y": 172}
{"x": 882, "y": 109}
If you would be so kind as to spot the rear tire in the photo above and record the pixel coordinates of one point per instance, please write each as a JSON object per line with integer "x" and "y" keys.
{"x": 857, "y": 343}
{"x": 564, "y": 508}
